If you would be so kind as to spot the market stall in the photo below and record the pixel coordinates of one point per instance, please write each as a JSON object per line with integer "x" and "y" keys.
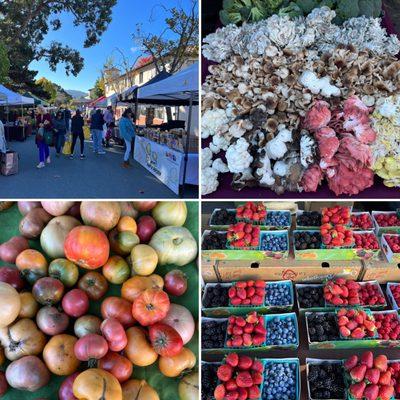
{"x": 170, "y": 154}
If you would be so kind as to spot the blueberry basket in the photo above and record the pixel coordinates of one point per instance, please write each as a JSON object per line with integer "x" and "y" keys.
{"x": 278, "y": 220}
{"x": 274, "y": 239}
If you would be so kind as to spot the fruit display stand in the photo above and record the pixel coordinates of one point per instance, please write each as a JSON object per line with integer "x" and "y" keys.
{"x": 255, "y": 349}
{"x": 350, "y": 343}
{"x": 243, "y": 309}
{"x": 294, "y": 270}
{"x": 166, "y": 387}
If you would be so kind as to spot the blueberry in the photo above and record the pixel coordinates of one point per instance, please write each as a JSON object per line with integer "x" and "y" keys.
{"x": 281, "y": 331}
{"x": 274, "y": 242}
{"x": 279, "y": 382}
{"x": 278, "y": 294}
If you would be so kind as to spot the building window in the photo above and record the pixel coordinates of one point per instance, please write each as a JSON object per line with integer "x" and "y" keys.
{"x": 141, "y": 77}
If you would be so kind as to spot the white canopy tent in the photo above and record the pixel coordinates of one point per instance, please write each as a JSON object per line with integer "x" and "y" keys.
{"x": 10, "y": 98}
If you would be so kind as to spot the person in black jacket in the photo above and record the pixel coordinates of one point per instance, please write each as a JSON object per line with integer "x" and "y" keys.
{"x": 77, "y": 124}
{"x": 96, "y": 128}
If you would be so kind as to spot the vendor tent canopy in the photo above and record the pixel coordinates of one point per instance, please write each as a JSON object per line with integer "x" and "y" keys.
{"x": 38, "y": 101}
{"x": 13, "y": 99}
{"x": 101, "y": 102}
{"x": 181, "y": 88}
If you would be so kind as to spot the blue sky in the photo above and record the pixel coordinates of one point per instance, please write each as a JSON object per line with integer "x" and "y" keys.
{"x": 126, "y": 14}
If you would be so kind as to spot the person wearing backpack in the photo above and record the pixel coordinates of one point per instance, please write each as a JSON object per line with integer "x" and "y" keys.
{"x": 77, "y": 124}
{"x": 44, "y": 125}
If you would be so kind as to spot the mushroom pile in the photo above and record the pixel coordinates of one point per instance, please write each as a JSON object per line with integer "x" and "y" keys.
{"x": 269, "y": 75}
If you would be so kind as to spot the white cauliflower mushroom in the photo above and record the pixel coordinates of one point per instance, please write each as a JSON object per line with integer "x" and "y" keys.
{"x": 265, "y": 172}
{"x": 206, "y": 157}
{"x": 240, "y": 127}
{"x": 209, "y": 180}
{"x": 238, "y": 157}
{"x": 316, "y": 85}
{"x": 219, "y": 142}
{"x": 276, "y": 148}
{"x": 220, "y": 166}
{"x": 212, "y": 121}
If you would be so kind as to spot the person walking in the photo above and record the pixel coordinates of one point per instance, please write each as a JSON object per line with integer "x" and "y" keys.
{"x": 60, "y": 130}
{"x": 127, "y": 132}
{"x": 3, "y": 144}
{"x": 43, "y": 124}
{"x": 96, "y": 128}
{"x": 77, "y": 124}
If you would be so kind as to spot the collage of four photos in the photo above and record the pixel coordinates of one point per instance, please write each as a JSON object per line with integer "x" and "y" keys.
{"x": 200, "y": 200}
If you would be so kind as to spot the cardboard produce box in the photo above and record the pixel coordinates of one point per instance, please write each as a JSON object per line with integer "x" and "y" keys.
{"x": 380, "y": 270}
{"x": 287, "y": 269}
{"x": 209, "y": 271}
{"x": 390, "y": 255}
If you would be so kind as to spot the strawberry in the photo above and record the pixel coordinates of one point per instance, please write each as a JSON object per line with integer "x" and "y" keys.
{"x": 372, "y": 376}
{"x": 259, "y": 284}
{"x": 219, "y": 392}
{"x": 342, "y": 320}
{"x": 244, "y": 363}
{"x": 247, "y": 340}
{"x": 236, "y": 301}
{"x": 351, "y": 325}
{"x": 224, "y": 372}
{"x": 232, "y": 359}
{"x": 246, "y": 302}
{"x": 381, "y": 363}
{"x": 241, "y": 284}
{"x": 231, "y": 385}
{"x": 240, "y": 321}
{"x": 344, "y": 331}
{"x": 252, "y": 318}
{"x": 237, "y": 341}
{"x": 371, "y": 392}
{"x": 234, "y": 395}
{"x": 257, "y": 378}
{"x": 358, "y": 373}
{"x": 241, "y": 293}
{"x": 248, "y": 328}
{"x": 254, "y": 392}
{"x": 242, "y": 393}
{"x": 260, "y": 329}
{"x": 351, "y": 362}
{"x": 231, "y": 292}
{"x": 385, "y": 392}
{"x": 257, "y": 300}
{"x": 385, "y": 378}
{"x": 237, "y": 330}
{"x": 250, "y": 291}
{"x": 257, "y": 366}
{"x": 357, "y": 390}
{"x": 258, "y": 339}
{"x": 358, "y": 333}
{"x": 244, "y": 379}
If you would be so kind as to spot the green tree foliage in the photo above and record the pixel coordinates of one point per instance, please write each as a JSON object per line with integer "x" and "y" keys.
{"x": 4, "y": 63}
{"x": 176, "y": 42}
{"x": 48, "y": 88}
{"x": 25, "y": 23}
{"x": 99, "y": 89}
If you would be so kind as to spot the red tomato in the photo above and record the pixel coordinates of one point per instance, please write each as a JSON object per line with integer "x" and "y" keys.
{"x": 94, "y": 284}
{"x": 175, "y": 282}
{"x": 115, "y": 334}
{"x": 65, "y": 392}
{"x": 75, "y": 303}
{"x": 90, "y": 347}
{"x": 165, "y": 340}
{"x": 87, "y": 246}
{"x": 117, "y": 365}
{"x": 150, "y": 306}
{"x": 118, "y": 308}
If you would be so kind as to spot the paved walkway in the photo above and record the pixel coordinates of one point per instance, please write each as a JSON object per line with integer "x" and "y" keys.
{"x": 97, "y": 176}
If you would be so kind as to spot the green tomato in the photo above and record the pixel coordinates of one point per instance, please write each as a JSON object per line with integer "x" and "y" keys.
{"x": 116, "y": 270}
{"x": 64, "y": 270}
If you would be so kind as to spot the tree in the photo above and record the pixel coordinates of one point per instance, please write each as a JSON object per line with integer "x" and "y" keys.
{"x": 48, "y": 88}
{"x": 99, "y": 89}
{"x": 4, "y": 63}
{"x": 177, "y": 42}
{"x": 24, "y": 24}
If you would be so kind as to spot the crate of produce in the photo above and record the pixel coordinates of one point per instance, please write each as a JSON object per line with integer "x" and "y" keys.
{"x": 336, "y": 215}
{"x": 252, "y": 212}
{"x": 364, "y": 376}
{"x": 253, "y": 378}
{"x": 308, "y": 220}
{"x": 221, "y": 300}
{"x": 313, "y": 297}
{"x": 325, "y": 379}
{"x": 386, "y": 222}
{"x": 221, "y": 218}
{"x": 391, "y": 247}
{"x": 252, "y": 333}
{"x": 279, "y": 219}
{"x": 361, "y": 221}
{"x": 393, "y": 294}
{"x": 367, "y": 245}
{"x": 275, "y": 244}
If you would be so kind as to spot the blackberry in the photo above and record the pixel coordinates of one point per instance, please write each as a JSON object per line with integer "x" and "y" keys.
{"x": 304, "y": 240}
{"x": 311, "y": 296}
{"x": 326, "y": 381}
{"x": 322, "y": 327}
{"x": 214, "y": 241}
{"x": 213, "y": 334}
{"x": 209, "y": 381}
{"x": 216, "y": 297}
{"x": 309, "y": 218}
{"x": 223, "y": 217}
